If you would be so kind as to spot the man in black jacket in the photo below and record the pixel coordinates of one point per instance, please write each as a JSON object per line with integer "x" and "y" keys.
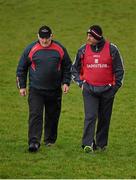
{"x": 98, "y": 70}
{"x": 48, "y": 64}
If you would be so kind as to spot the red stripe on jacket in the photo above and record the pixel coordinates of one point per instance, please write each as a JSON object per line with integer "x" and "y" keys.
{"x": 38, "y": 47}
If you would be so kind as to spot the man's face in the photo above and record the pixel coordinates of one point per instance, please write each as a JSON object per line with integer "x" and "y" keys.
{"x": 91, "y": 39}
{"x": 45, "y": 42}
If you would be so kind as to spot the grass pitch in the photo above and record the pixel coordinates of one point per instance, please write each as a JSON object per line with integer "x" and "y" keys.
{"x": 69, "y": 20}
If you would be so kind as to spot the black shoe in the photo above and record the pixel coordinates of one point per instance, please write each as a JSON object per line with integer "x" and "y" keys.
{"x": 93, "y": 146}
{"x": 33, "y": 147}
{"x": 87, "y": 149}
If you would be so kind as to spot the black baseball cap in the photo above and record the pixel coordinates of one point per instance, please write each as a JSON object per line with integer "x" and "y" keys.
{"x": 45, "y": 32}
{"x": 96, "y": 32}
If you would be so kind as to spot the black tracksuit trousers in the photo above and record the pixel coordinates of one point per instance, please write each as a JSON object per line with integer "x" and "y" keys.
{"x": 48, "y": 101}
{"x": 96, "y": 107}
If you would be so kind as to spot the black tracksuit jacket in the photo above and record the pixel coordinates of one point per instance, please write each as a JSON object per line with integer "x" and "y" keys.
{"x": 51, "y": 67}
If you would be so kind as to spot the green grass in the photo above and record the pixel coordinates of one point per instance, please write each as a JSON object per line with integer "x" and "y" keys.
{"x": 69, "y": 19}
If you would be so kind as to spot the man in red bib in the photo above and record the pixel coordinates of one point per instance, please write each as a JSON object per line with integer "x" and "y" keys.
{"x": 98, "y": 70}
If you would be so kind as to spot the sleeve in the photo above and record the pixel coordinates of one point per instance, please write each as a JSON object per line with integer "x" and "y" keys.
{"x": 118, "y": 67}
{"x": 76, "y": 68}
{"x": 66, "y": 68}
{"x": 22, "y": 69}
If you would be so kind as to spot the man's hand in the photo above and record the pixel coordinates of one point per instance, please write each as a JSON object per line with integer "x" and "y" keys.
{"x": 22, "y": 92}
{"x": 65, "y": 88}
